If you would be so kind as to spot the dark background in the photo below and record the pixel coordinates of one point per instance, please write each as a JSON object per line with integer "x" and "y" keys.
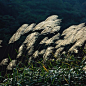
{"x": 14, "y": 13}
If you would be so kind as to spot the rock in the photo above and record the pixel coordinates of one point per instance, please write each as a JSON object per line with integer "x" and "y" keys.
{"x": 45, "y": 38}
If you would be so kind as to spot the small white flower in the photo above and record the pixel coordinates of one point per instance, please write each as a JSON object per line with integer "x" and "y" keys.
{"x": 11, "y": 79}
{"x": 71, "y": 69}
{"x": 85, "y": 72}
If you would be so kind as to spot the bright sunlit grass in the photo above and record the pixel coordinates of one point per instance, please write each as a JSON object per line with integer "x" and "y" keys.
{"x": 64, "y": 72}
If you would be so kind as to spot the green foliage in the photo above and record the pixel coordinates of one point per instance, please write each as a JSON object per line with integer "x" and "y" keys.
{"x": 28, "y": 11}
{"x": 59, "y": 73}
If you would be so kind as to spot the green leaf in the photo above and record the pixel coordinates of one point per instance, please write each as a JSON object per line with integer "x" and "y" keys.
{"x": 9, "y": 57}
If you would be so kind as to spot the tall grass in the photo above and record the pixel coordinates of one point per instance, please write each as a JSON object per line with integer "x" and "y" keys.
{"x": 64, "y": 72}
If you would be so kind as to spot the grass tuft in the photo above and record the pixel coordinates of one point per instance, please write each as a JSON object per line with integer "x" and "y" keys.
{"x": 64, "y": 72}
